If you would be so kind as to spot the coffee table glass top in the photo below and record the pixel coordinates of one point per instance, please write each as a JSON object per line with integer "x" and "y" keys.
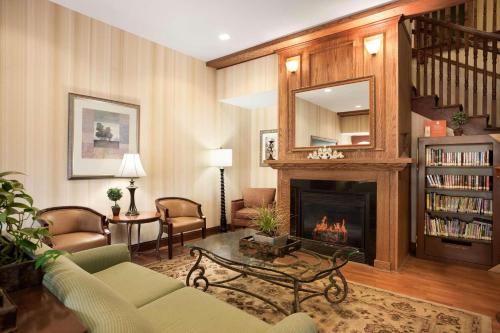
{"x": 303, "y": 265}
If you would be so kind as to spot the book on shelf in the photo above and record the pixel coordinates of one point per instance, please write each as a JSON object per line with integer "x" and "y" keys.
{"x": 440, "y": 157}
{"x": 460, "y": 182}
{"x": 456, "y": 228}
{"x": 458, "y": 204}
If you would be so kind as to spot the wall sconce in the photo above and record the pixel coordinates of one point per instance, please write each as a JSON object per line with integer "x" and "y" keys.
{"x": 292, "y": 64}
{"x": 372, "y": 44}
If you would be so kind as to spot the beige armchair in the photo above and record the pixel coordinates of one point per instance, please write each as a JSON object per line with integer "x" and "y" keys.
{"x": 75, "y": 228}
{"x": 244, "y": 210}
{"x": 180, "y": 215}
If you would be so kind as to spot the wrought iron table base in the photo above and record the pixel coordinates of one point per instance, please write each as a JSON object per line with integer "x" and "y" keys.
{"x": 335, "y": 292}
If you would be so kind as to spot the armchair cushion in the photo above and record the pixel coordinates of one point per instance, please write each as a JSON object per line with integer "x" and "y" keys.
{"x": 178, "y": 207}
{"x": 65, "y": 220}
{"x": 184, "y": 224}
{"x": 128, "y": 280}
{"x": 246, "y": 213}
{"x": 258, "y": 197}
{"x": 78, "y": 241}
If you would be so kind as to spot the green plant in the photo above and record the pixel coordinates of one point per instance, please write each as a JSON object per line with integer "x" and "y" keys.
{"x": 269, "y": 221}
{"x": 16, "y": 210}
{"x": 115, "y": 194}
{"x": 459, "y": 119}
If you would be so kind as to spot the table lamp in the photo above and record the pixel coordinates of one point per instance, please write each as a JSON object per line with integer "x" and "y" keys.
{"x": 222, "y": 158}
{"x": 131, "y": 167}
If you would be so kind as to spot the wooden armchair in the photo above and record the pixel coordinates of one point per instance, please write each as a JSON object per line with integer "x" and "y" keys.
{"x": 75, "y": 228}
{"x": 180, "y": 215}
{"x": 244, "y": 210}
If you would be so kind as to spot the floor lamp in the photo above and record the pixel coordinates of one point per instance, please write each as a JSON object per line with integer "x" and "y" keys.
{"x": 222, "y": 158}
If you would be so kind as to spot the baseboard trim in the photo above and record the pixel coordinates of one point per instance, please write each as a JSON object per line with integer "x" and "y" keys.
{"x": 150, "y": 245}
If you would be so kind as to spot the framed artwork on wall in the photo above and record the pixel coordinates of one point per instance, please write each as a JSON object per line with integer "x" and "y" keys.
{"x": 268, "y": 146}
{"x": 100, "y": 131}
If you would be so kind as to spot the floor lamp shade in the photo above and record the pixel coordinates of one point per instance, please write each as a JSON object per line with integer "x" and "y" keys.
{"x": 131, "y": 167}
{"x": 221, "y": 158}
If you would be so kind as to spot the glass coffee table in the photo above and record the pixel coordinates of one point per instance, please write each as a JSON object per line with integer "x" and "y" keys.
{"x": 296, "y": 271}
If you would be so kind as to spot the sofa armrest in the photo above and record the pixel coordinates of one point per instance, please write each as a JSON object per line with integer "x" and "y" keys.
{"x": 295, "y": 323}
{"x": 236, "y": 205}
{"x": 100, "y": 258}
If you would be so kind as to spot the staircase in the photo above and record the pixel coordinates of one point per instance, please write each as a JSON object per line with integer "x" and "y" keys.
{"x": 454, "y": 65}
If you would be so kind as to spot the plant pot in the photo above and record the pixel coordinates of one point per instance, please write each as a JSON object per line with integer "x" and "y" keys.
{"x": 278, "y": 240}
{"x": 458, "y": 132}
{"x": 17, "y": 276}
{"x": 116, "y": 210}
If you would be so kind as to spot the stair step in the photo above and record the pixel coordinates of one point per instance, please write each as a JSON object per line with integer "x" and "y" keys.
{"x": 451, "y": 106}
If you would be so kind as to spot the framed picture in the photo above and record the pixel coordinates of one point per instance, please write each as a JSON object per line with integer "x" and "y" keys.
{"x": 268, "y": 146}
{"x": 100, "y": 131}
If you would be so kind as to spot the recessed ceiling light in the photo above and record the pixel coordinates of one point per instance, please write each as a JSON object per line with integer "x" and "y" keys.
{"x": 224, "y": 37}
{"x": 357, "y": 106}
{"x": 328, "y": 90}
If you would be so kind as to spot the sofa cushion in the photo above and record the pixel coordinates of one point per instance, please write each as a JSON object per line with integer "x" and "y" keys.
{"x": 136, "y": 284}
{"x": 78, "y": 241}
{"x": 258, "y": 197}
{"x": 98, "y": 307}
{"x": 246, "y": 213}
{"x": 188, "y": 310}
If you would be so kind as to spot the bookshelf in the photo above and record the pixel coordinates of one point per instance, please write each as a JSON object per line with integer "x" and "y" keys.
{"x": 458, "y": 207}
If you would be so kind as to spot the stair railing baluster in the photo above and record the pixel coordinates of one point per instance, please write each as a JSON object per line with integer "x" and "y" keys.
{"x": 457, "y": 66}
{"x": 448, "y": 87}
{"x": 485, "y": 4}
{"x": 424, "y": 60}
{"x": 494, "y": 85}
{"x": 433, "y": 59}
{"x": 441, "y": 41}
{"x": 466, "y": 72}
{"x": 474, "y": 78}
{"x": 485, "y": 77}
{"x": 417, "y": 47}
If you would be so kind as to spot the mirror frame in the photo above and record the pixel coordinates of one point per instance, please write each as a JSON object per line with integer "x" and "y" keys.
{"x": 371, "y": 114}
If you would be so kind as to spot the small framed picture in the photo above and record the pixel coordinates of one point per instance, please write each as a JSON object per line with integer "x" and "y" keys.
{"x": 100, "y": 131}
{"x": 268, "y": 146}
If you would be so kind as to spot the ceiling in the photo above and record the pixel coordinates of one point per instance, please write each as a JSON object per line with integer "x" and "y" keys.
{"x": 193, "y": 26}
{"x": 342, "y": 98}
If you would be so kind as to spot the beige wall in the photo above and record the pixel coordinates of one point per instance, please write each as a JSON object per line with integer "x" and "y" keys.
{"x": 312, "y": 119}
{"x": 47, "y": 51}
{"x": 247, "y": 79}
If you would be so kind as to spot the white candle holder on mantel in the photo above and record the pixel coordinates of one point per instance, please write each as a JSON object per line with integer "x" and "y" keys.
{"x": 325, "y": 153}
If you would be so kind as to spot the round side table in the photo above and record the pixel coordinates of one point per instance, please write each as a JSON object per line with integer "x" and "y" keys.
{"x": 143, "y": 217}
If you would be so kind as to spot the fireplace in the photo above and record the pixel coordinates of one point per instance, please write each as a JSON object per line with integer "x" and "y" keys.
{"x": 332, "y": 214}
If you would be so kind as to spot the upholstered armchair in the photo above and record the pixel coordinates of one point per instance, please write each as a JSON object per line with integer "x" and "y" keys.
{"x": 180, "y": 215}
{"x": 244, "y": 210}
{"x": 75, "y": 228}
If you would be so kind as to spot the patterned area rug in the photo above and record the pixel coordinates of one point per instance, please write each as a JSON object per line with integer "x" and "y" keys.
{"x": 366, "y": 309}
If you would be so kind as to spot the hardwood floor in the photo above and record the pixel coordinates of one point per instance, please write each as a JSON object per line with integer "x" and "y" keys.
{"x": 453, "y": 285}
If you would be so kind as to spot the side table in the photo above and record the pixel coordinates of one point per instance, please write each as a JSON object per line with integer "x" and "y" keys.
{"x": 143, "y": 217}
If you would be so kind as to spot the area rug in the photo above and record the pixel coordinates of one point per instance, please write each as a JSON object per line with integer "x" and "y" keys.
{"x": 366, "y": 309}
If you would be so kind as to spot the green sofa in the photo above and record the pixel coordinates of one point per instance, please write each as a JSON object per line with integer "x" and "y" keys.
{"x": 110, "y": 294}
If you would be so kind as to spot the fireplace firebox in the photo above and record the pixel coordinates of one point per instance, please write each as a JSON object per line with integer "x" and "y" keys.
{"x": 333, "y": 214}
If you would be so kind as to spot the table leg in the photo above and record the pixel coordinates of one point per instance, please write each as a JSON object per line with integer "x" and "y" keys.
{"x": 129, "y": 237}
{"x": 158, "y": 239}
{"x": 138, "y": 237}
{"x": 296, "y": 299}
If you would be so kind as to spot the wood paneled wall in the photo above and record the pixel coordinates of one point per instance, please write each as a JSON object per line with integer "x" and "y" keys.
{"x": 47, "y": 51}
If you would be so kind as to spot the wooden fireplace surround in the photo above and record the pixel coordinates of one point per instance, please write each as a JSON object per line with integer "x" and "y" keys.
{"x": 342, "y": 57}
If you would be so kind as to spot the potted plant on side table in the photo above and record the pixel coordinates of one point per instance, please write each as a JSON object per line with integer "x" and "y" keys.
{"x": 459, "y": 119}
{"x": 20, "y": 238}
{"x": 115, "y": 194}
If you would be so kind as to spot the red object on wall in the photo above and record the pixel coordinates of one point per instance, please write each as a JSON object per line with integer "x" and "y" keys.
{"x": 435, "y": 128}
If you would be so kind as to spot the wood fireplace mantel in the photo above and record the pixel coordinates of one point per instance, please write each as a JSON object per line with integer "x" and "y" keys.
{"x": 344, "y": 164}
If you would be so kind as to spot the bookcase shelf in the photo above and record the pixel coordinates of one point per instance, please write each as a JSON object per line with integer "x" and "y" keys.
{"x": 480, "y": 251}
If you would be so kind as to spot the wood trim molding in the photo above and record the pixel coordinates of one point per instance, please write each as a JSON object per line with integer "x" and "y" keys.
{"x": 353, "y": 113}
{"x": 397, "y": 8}
{"x": 343, "y": 164}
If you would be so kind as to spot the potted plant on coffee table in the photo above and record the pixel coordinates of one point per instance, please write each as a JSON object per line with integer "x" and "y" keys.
{"x": 459, "y": 119}
{"x": 20, "y": 238}
{"x": 115, "y": 194}
{"x": 269, "y": 222}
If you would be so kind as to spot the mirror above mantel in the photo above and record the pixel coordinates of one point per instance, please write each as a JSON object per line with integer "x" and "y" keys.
{"x": 337, "y": 114}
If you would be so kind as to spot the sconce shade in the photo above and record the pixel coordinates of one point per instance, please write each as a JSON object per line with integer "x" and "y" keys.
{"x": 131, "y": 167}
{"x": 292, "y": 64}
{"x": 221, "y": 157}
{"x": 372, "y": 44}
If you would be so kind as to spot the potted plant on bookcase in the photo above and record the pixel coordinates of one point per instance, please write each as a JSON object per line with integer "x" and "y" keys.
{"x": 19, "y": 263}
{"x": 459, "y": 119}
{"x": 115, "y": 194}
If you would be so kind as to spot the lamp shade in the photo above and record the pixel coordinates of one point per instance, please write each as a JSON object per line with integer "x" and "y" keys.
{"x": 221, "y": 157}
{"x": 131, "y": 167}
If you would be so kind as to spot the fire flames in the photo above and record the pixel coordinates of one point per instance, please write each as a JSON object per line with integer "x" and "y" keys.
{"x": 336, "y": 232}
